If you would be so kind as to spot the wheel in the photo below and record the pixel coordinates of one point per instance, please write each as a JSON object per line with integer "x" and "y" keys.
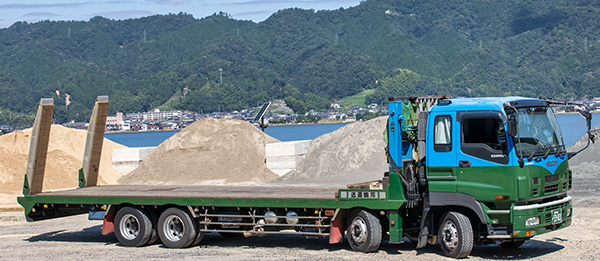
{"x": 456, "y": 235}
{"x": 134, "y": 227}
{"x": 176, "y": 228}
{"x": 364, "y": 231}
{"x": 153, "y": 237}
{"x": 154, "y": 218}
{"x": 512, "y": 244}
{"x": 199, "y": 237}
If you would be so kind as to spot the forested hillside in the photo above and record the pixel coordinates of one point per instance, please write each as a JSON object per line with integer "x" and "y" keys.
{"x": 308, "y": 58}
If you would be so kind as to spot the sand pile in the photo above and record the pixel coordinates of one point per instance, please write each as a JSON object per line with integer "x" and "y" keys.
{"x": 354, "y": 153}
{"x": 591, "y": 155}
{"x": 209, "y": 151}
{"x": 65, "y": 155}
{"x": 586, "y": 171}
{"x": 586, "y": 162}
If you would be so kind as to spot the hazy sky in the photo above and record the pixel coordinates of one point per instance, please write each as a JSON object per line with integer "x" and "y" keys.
{"x": 12, "y": 11}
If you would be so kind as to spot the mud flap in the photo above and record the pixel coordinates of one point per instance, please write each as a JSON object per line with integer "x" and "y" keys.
{"x": 423, "y": 237}
{"x": 108, "y": 225}
{"x": 336, "y": 234}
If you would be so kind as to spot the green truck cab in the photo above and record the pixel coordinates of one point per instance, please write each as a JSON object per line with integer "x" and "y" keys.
{"x": 480, "y": 170}
{"x": 461, "y": 171}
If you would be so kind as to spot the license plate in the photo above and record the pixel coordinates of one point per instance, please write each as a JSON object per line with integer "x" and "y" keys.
{"x": 556, "y": 216}
{"x": 230, "y": 219}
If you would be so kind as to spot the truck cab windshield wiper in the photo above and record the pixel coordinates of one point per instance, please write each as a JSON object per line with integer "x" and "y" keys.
{"x": 533, "y": 153}
{"x": 550, "y": 148}
{"x": 548, "y": 152}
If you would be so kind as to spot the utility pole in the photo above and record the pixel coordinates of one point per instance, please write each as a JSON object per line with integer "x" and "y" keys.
{"x": 204, "y": 59}
{"x": 220, "y": 76}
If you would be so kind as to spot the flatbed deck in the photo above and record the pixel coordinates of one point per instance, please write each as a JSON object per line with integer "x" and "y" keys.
{"x": 192, "y": 195}
{"x": 197, "y": 192}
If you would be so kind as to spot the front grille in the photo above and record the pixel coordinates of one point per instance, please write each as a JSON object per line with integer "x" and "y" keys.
{"x": 551, "y": 188}
{"x": 552, "y": 178}
{"x": 541, "y": 200}
{"x": 553, "y": 207}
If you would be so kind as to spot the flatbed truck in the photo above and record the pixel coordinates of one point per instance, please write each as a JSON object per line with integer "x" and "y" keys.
{"x": 463, "y": 172}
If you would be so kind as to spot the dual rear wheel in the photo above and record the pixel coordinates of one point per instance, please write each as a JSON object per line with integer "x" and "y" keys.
{"x": 175, "y": 228}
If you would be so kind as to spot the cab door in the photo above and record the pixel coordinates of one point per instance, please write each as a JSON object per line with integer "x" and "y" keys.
{"x": 441, "y": 152}
{"x": 482, "y": 156}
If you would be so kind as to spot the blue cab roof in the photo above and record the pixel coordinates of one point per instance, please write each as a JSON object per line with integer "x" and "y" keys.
{"x": 472, "y": 104}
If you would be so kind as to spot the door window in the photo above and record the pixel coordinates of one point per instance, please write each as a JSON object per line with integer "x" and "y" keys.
{"x": 442, "y": 134}
{"x": 483, "y": 136}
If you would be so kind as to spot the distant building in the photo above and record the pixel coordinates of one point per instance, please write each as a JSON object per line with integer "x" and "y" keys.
{"x": 335, "y": 105}
{"x": 4, "y": 128}
{"x": 116, "y": 122}
{"x": 155, "y": 115}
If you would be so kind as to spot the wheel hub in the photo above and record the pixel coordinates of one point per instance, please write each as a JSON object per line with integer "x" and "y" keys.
{"x": 358, "y": 230}
{"x": 173, "y": 228}
{"x": 450, "y": 235}
{"x": 129, "y": 227}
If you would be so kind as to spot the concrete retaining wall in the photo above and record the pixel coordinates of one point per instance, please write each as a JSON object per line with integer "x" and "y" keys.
{"x": 126, "y": 160}
{"x": 283, "y": 157}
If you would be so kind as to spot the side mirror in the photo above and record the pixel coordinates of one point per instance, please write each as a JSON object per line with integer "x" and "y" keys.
{"x": 588, "y": 117}
{"x": 512, "y": 126}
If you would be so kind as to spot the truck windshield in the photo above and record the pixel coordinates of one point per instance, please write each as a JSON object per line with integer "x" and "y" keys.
{"x": 538, "y": 131}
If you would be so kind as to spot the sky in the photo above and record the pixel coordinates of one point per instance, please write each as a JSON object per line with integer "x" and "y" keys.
{"x": 33, "y": 11}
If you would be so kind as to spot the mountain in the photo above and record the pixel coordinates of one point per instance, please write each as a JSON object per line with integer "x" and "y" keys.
{"x": 308, "y": 58}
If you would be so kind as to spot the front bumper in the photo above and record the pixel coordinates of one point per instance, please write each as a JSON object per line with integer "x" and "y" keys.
{"x": 552, "y": 215}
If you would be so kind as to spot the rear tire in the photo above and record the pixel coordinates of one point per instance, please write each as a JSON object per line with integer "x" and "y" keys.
{"x": 512, "y": 244}
{"x": 134, "y": 227}
{"x": 176, "y": 228}
{"x": 364, "y": 231}
{"x": 199, "y": 237}
{"x": 456, "y": 235}
{"x": 153, "y": 237}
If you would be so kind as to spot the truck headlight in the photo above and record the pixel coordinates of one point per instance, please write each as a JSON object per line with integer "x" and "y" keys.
{"x": 532, "y": 221}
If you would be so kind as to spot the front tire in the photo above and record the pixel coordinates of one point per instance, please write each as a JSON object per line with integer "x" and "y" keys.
{"x": 364, "y": 231}
{"x": 456, "y": 235}
{"x": 176, "y": 228}
{"x": 134, "y": 227}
